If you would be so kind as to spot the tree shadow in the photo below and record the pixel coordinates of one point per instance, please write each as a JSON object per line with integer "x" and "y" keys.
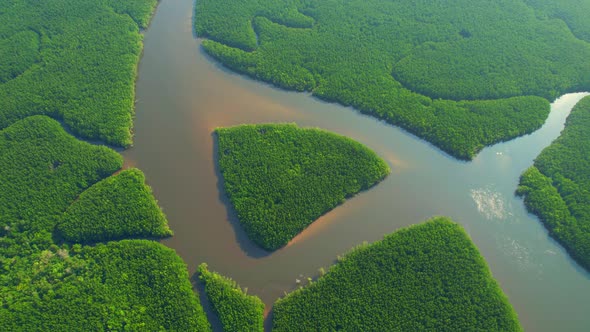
{"x": 268, "y": 320}
{"x": 247, "y": 246}
{"x": 212, "y": 317}
{"x": 93, "y": 141}
{"x": 227, "y": 70}
{"x": 199, "y": 286}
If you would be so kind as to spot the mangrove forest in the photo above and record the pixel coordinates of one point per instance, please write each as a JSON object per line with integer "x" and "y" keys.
{"x": 280, "y": 178}
{"x": 461, "y": 75}
{"x": 556, "y": 187}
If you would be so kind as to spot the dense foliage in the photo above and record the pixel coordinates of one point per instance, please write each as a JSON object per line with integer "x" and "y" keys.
{"x": 42, "y": 171}
{"x": 427, "y": 277}
{"x": 74, "y": 60}
{"x": 396, "y": 59}
{"x": 572, "y": 12}
{"x": 45, "y": 286}
{"x": 280, "y": 178}
{"x": 557, "y": 187}
{"x": 236, "y": 310}
{"x": 17, "y": 54}
{"x": 118, "y": 207}
{"x": 131, "y": 285}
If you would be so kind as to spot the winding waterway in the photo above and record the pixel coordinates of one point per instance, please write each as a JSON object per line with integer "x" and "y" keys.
{"x": 182, "y": 95}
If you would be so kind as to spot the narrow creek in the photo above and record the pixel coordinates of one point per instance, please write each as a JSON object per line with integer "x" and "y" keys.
{"x": 182, "y": 95}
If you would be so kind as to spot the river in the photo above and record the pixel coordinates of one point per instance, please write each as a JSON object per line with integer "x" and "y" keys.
{"x": 182, "y": 95}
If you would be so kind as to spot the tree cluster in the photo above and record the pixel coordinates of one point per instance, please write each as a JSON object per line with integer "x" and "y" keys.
{"x": 118, "y": 207}
{"x": 130, "y": 285}
{"x": 280, "y": 178}
{"x": 237, "y": 311}
{"x": 74, "y": 60}
{"x": 427, "y": 277}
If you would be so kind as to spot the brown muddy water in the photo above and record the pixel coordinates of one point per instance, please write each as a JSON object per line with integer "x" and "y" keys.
{"x": 182, "y": 95}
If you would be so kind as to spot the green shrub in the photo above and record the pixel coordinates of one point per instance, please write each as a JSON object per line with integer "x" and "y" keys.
{"x": 281, "y": 178}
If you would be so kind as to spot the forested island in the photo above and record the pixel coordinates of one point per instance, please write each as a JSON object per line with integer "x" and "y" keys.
{"x": 557, "y": 187}
{"x": 461, "y": 74}
{"x": 280, "y": 178}
{"x": 427, "y": 277}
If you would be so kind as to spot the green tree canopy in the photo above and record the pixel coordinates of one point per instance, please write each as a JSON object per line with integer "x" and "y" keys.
{"x": 280, "y": 178}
